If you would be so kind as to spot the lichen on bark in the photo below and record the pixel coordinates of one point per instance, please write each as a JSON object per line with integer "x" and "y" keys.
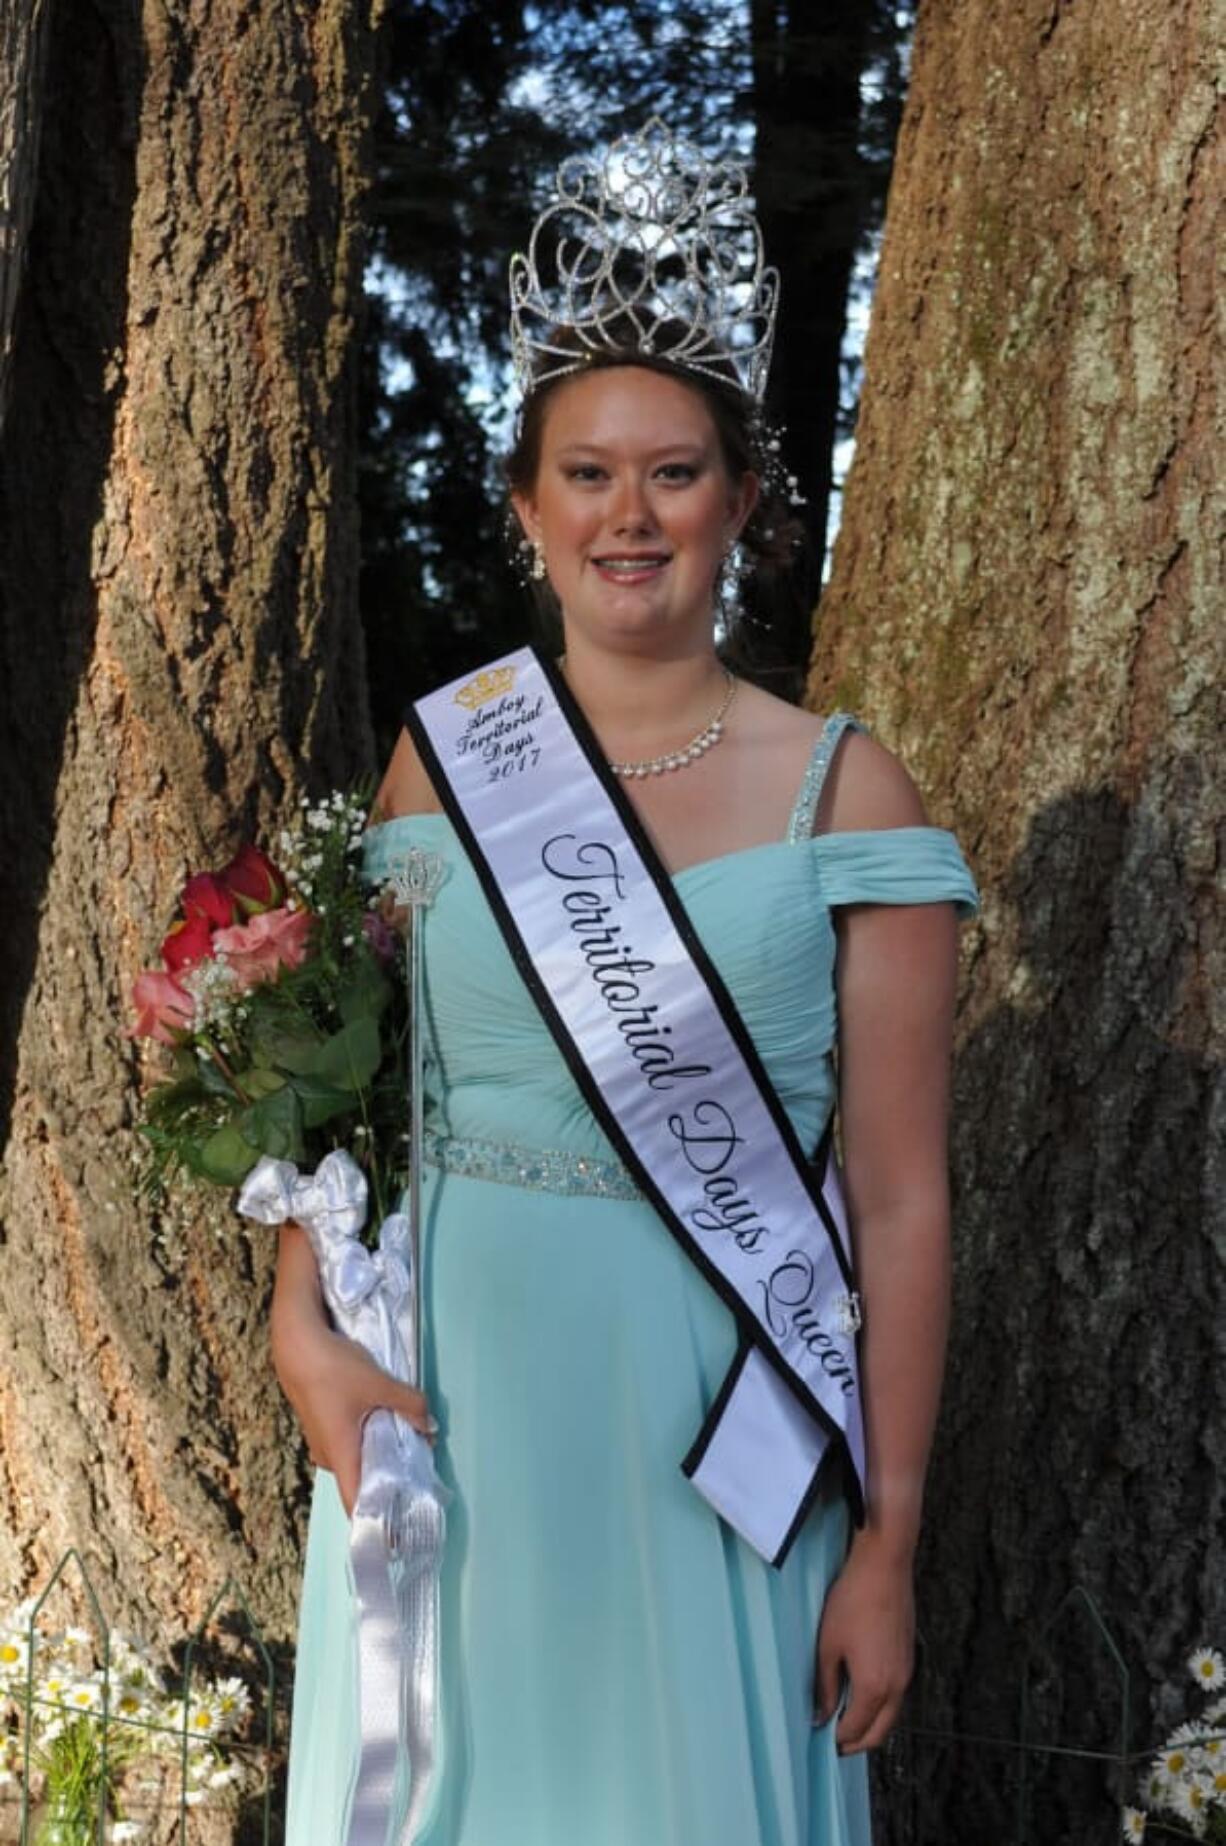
{"x": 1024, "y": 604}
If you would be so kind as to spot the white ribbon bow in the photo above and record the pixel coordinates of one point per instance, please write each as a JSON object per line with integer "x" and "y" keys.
{"x": 398, "y": 1525}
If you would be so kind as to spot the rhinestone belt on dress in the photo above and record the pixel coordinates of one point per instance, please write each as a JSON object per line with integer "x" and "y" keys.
{"x": 536, "y": 1169}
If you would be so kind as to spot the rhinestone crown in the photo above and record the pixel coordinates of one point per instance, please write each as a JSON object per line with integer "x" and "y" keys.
{"x": 650, "y": 246}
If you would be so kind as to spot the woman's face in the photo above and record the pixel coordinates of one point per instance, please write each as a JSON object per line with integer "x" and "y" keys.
{"x": 634, "y": 507}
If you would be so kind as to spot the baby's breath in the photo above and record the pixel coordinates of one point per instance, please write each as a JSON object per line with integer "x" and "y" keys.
{"x": 216, "y": 993}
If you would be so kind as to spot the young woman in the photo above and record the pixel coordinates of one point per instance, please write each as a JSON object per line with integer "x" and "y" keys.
{"x": 619, "y": 1668}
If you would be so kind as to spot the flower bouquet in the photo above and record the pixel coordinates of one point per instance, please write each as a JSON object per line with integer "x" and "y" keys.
{"x": 1185, "y": 1790}
{"x": 289, "y": 1024}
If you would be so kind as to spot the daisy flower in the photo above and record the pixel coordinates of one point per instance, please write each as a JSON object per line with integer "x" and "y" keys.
{"x": 1132, "y": 1824}
{"x": 1208, "y": 1669}
{"x": 202, "y": 1720}
{"x": 14, "y": 1653}
{"x": 1190, "y": 1800}
{"x": 232, "y": 1700}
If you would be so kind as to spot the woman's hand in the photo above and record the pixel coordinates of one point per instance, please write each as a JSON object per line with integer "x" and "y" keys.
{"x": 331, "y": 1381}
{"x": 867, "y": 1634}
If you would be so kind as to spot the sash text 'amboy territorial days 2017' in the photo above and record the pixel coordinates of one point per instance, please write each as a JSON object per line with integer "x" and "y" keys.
{"x": 664, "y": 1060}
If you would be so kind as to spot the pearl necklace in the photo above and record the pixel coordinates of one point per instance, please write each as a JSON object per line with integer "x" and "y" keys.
{"x": 705, "y": 740}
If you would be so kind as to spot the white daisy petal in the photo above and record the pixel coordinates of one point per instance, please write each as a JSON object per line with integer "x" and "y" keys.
{"x": 1208, "y": 1668}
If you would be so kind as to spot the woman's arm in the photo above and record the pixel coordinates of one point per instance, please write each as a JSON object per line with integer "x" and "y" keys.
{"x": 332, "y": 1382}
{"x": 896, "y": 975}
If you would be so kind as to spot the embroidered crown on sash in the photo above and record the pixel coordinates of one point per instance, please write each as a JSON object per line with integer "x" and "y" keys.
{"x": 485, "y": 686}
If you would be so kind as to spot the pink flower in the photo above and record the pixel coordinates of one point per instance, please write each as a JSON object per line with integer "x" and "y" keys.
{"x": 381, "y": 936}
{"x": 162, "y": 1007}
{"x": 272, "y": 940}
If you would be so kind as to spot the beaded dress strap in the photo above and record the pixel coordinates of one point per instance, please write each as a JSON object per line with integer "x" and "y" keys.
{"x": 800, "y": 826}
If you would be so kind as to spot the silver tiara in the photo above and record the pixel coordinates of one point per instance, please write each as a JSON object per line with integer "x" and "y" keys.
{"x": 652, "y": 247}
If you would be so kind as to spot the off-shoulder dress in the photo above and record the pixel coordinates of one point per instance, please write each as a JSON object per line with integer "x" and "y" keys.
{"x": 618, "y": 1668}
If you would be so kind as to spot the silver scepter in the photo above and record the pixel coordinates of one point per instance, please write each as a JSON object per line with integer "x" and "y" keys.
{"x": 414, "y": 882}
{"x": 416, "y": 1535}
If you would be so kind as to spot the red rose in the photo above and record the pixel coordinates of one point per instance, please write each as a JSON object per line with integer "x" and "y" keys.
{"x": 253, "y": 881}
{"x": 206, "y": 896}
{"x": 190, "y": 941}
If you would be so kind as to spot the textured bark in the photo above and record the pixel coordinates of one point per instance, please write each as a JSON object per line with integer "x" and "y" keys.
{"x": 1025, "y": 602}
{"x": 23, "y": 43}
{"x": 178, "y": 568}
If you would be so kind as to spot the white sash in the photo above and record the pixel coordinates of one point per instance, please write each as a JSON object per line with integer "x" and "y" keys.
{"x": 663, "y": 1059}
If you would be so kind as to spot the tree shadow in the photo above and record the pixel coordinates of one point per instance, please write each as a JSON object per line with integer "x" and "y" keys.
{"x": 1082, "y": 1418}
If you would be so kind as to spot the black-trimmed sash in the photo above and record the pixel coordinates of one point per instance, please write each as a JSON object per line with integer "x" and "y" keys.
{"x": 663, "y": 1058}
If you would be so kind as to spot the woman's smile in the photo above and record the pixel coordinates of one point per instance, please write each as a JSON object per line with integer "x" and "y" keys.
{"x": 625, "y": 568}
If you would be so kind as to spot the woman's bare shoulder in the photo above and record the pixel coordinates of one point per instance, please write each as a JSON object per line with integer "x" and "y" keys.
{"x": 405, "y": 788}
{"x": 866, "y": 788}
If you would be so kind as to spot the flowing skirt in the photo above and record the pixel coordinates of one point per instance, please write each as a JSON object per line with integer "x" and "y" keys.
{"x": 618, "y": 1668}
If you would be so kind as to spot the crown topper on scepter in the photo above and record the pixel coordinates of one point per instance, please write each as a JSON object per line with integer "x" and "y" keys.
{"x": 415, "y": 878}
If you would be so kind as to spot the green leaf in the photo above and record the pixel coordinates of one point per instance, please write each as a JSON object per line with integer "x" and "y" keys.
{"x": 321, "y": 1101}
{"x": 365, "y": 991}
{"x": 171, "y": 1099}
{"x": 350, "y": 1058}
{"x": 213, "y": 1077}
{"x": 285, "y": 1047}
{"x": 225, "y": 1157}
{"x": 257, "y": 1082}
{"x": 274, "y": 1125}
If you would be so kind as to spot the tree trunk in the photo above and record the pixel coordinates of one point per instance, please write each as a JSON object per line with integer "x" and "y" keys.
{"x": 178, "y": 571}
{"x": 1025, "y": 603}
{"x": 23, "y": 44}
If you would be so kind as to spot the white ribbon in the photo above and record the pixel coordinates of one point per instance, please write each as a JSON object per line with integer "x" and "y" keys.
{"x": 399, "y": 1522}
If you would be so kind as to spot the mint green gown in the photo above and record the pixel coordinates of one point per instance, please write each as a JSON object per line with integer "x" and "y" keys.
{"x": 618, "y": 1668}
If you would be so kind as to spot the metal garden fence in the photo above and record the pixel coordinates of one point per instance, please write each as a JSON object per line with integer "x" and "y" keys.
{"x": 912, "y": 1776}
{"x": 100, "y": 1737}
